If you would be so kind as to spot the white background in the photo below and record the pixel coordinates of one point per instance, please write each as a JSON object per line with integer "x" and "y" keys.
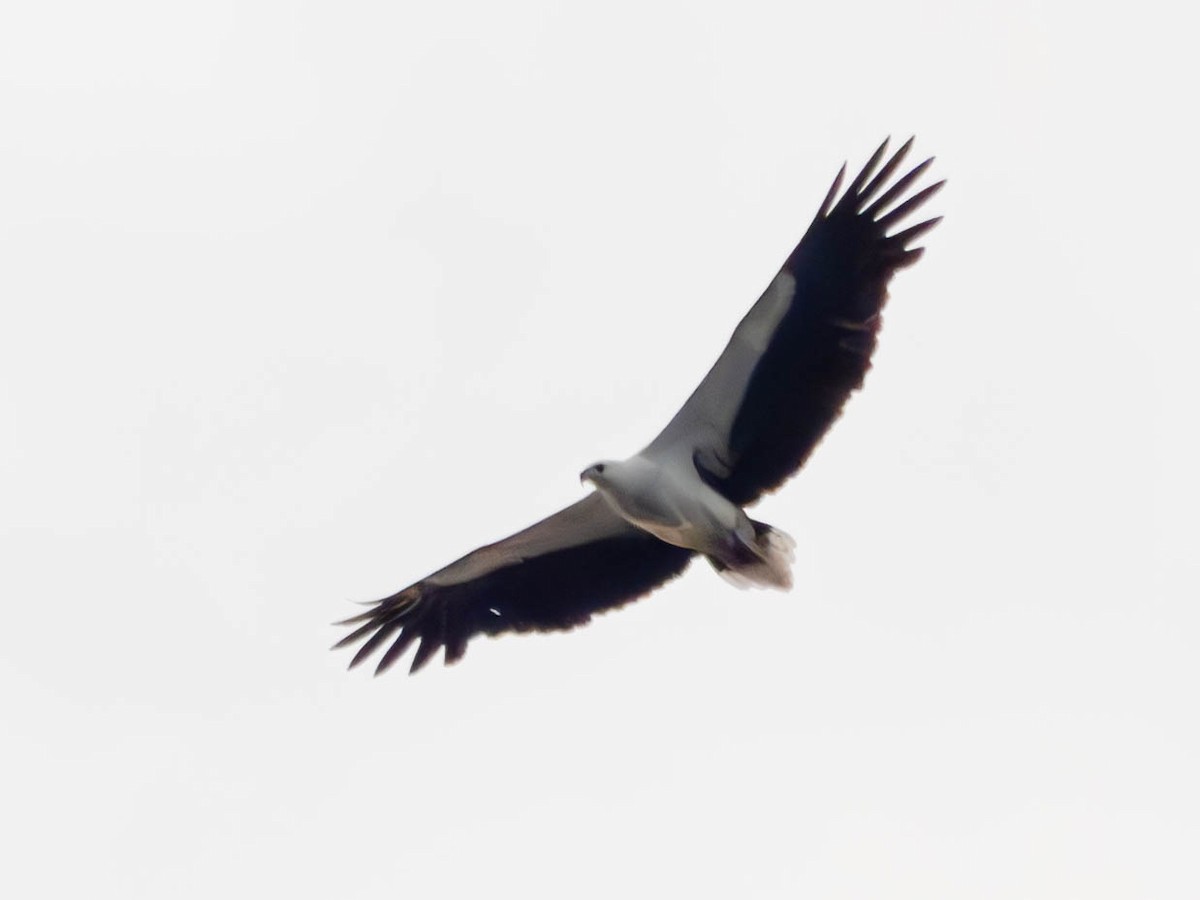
{"x": 301, "y": 301}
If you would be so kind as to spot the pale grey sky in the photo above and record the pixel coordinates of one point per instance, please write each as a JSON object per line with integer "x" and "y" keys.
{"x": 303, "y": 301}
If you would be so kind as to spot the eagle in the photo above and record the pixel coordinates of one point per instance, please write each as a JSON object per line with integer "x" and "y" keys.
{"x": 775, "y": 390}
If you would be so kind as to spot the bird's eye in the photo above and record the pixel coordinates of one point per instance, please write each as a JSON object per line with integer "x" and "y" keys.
{"x": 600, "y": 469}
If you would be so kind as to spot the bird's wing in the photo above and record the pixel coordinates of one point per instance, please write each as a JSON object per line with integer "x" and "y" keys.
{"x": 551, "y": 576}
{"x": 806, "y": 345}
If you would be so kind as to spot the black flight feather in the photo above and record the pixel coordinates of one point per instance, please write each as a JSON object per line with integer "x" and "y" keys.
{"x": 821, "y": 349}
{"x": 551, "y": 592}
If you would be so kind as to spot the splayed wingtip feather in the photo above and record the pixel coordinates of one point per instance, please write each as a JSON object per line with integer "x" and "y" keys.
{"x": 827, "y": 203}
{"x": 902, "y": 183}
{"x": 909, "y": 205}
{"x": 395, "y": 651}
{"x": 883, "y": 175}
{"x": 867, "y": 171}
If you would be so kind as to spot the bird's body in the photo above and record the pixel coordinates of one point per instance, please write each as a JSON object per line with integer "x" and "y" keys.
{"x": 780, "y": 383}
{"x": 670, "y": 502}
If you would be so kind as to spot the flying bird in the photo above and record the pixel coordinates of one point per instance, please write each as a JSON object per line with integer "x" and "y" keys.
{"x": 778, "y": 386}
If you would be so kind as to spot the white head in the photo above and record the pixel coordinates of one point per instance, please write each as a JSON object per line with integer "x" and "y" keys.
{"x": 598, "y": 474}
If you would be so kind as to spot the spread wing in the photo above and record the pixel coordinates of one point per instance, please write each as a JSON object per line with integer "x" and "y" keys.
{"x": 552, "y": 576}
{"x": 806, "y": 345}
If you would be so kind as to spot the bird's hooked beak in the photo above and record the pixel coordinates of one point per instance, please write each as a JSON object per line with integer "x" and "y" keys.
{"x": 591, "y": 473}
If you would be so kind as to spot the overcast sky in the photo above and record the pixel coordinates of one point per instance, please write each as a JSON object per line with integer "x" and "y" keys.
{"x": 302, "y": 301}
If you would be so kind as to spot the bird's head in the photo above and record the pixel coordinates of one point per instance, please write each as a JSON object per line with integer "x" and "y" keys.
{"x": 596, "y": 473}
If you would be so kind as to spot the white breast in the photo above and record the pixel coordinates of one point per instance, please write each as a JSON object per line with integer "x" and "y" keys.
{"x": 671, "y": 502}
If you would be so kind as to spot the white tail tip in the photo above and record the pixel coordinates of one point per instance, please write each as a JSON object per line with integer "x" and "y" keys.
{"x": 772, "y": 567}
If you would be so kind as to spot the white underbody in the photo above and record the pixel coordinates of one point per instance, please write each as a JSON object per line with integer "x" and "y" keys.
{"x": 669, "y": 500}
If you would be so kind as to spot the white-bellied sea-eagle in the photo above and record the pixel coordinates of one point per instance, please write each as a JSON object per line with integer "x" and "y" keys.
{"x": 780, "y": 383}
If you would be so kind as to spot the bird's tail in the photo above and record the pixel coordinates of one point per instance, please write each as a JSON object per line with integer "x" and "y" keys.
{"x": 765, "y": 563}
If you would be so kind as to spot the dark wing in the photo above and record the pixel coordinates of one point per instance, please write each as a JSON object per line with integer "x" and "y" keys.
{"x": 552, "y": 576}
{"x": 806, "y": 345}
